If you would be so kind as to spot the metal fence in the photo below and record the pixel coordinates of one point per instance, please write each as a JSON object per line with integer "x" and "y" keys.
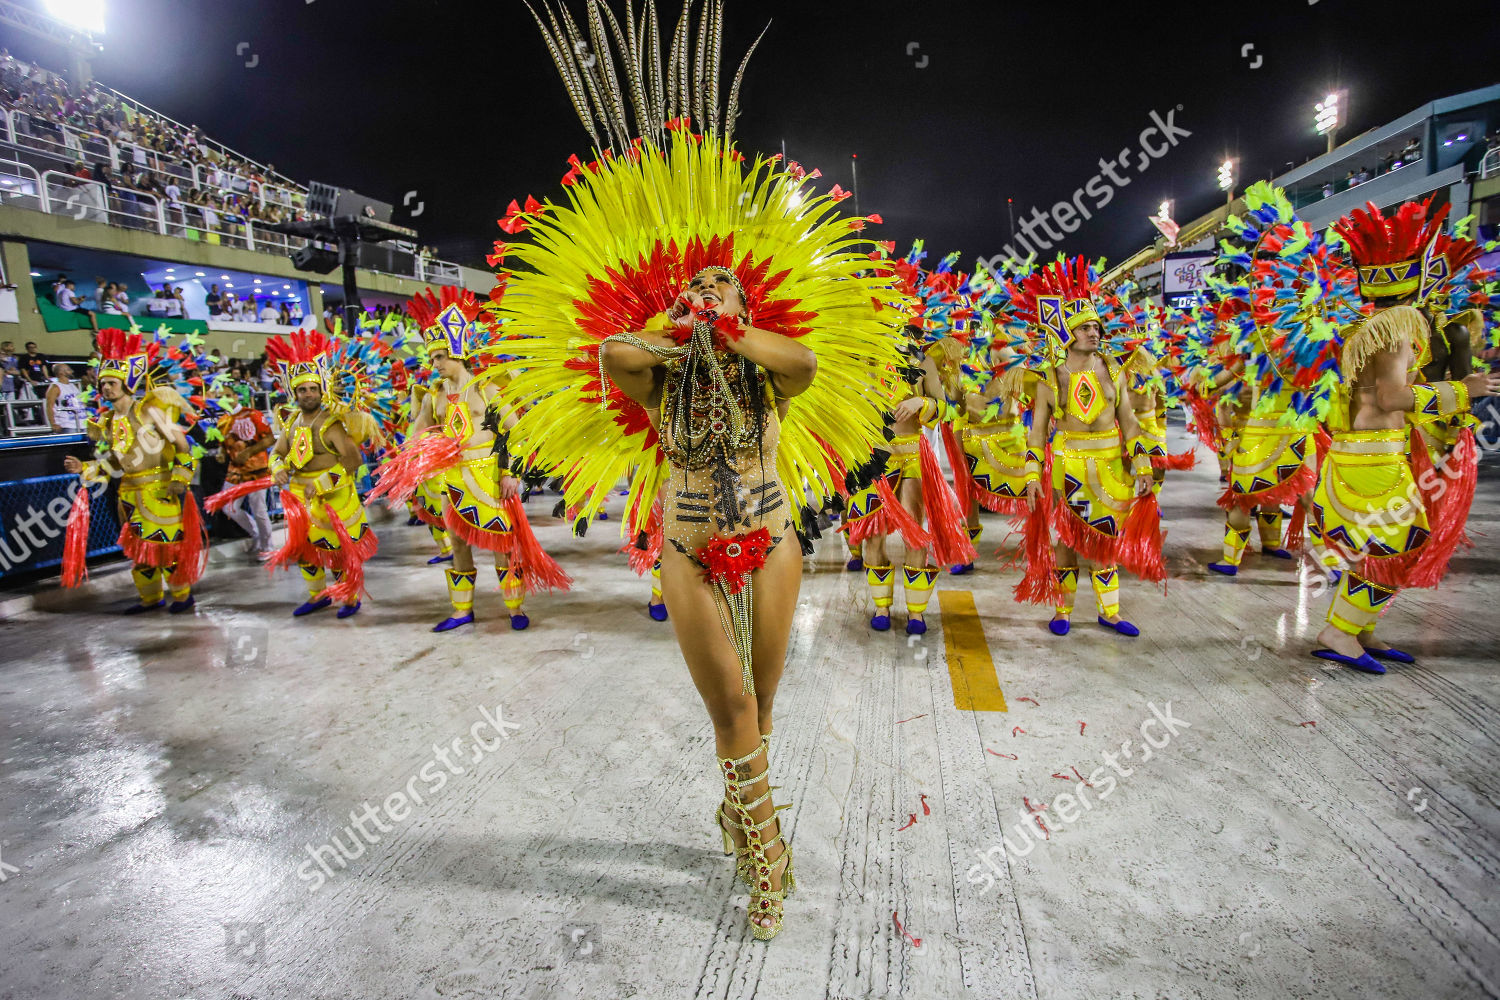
{"x": 33, "y": 520}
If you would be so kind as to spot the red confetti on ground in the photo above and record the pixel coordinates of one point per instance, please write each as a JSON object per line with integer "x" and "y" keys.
{"x": 913, "y": 718}
{"x": 1031, "y": 808}
{"x": 1086, "y": 782}
{"x": 1032, "y": 700}
{"x": 1062, "y": 776}
{"x": 1311, "y": 722}
{"x": 909, "y": 823}
{"x": 1046, "y": 833}
{"x": 1007, "y": 756}
{"x": 1081, "y": 724}
{"x": 1016, "y": 730}
{"x": 926, "y": 809}
{"x": 916, "y": 941}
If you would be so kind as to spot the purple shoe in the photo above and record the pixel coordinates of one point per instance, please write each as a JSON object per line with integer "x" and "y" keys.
{"x": 178, "y": 607}
{"x": 1364, "y": 661}
{"x": 658, "y": 612}
{"x": 1224, "y": 568}
{"x": 308, "y": 607}
{"x": 1393, "y": 654}
{"x": 1276, "y": 553}
{"x": 439, "y": 559}
{"x": 140, "y": 609}
{"x": 855, "y": 565}
{"x": 349, "y": 610}
{"x": 961, "y": 569}
{"x": 1122, "y": 626}
{"x": 1060, "y": 626}
{"x": 519, "y": 621}
{"x": 880, "y": 623}
{"x": 453, "y": 621}
{"x": 916, "y": 626}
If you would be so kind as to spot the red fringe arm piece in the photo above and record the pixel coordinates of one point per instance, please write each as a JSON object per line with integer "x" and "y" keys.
{"x": 238, "y": 491}
{"x": 296, "y": 548}
{"x": 539, "y": 571}
{"x": 75, "y": 568}
{"x": 1139, "y": 544}
{"x": 1447, "y": 497}
{"x": 416, "y": 463}
{"x": 192, "y": 550}
{"x": 950, "y": 538}
{"x": 1204, "y": 422}
{"x": 890, "y": 519}
{"x": 964, "y": 486}
{"x": 1039, "y": 585}
{"x": 1179, "y": 461}
{"x": 348, "y": 560}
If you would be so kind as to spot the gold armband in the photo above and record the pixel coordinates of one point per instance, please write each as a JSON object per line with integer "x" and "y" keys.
{"x": 276, "y": 463}
{"x": 1440, "y": 399}
{"x": 1034, "y": 464}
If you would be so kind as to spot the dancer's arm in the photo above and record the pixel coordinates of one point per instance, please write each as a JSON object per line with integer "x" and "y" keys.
{"x": 1036, "y": 443}
{"x": 792, "y": 366}
{"x": 633, "y": 368}
{"x": 1130, "y": 432}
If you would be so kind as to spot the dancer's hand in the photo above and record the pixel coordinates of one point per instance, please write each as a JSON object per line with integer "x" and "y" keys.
{"x": 510, "y": 487}
{"x": 1033, "y": 494}
{"x": 177, "y": 489}
{"x": 1143, "y": 485}
{"x": 910, "y": 408}
{"x": 282, "y": 477}
{"x": 71, "y": 464}
{"x": 1483, "y": 384}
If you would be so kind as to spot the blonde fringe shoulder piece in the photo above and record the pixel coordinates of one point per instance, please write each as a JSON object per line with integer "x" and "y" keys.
{"x": 1387, "y": 330}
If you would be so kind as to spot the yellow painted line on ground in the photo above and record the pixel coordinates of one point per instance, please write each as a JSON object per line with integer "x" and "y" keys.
{"x": 976, "y": 686}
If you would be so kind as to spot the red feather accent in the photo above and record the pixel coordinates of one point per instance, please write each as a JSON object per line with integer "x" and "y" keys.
{"x": 75, "y": 568}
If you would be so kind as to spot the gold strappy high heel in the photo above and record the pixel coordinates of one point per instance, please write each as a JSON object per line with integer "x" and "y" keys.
{"x": 755, "y": 867}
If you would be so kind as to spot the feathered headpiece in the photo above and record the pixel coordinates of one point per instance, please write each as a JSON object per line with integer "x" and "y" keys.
{"x": 446, "y": 321}
{"x": 1058, "y": 298}
{"x": 124, "y": 355}
{"x": 656, "y": 99}
{"x": 303, "y": 359}
{"x": 1403, "y": 254}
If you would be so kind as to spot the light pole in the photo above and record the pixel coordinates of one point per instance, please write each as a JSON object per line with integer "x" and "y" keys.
{"x": 1330, "y": 115}
{"x": 1226, "y": 178}
{"x": 1010, "y": 209}
{"x": 854, "y": 166}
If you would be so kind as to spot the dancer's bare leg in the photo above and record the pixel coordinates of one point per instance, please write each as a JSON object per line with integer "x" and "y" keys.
{"x": 715, "y": 667}
{"x": 910, "y": 496}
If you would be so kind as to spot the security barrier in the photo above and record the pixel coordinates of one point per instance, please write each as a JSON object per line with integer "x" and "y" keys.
{"x": 34, "y": 517}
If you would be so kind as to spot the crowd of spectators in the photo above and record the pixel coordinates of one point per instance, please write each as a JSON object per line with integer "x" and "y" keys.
{"x": 200, "y": 186}
{"x": 1393, "y": 160}
{"x": 167, "y": 302}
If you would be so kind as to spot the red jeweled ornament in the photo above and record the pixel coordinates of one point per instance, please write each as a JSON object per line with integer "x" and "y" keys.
{"x": 730, "y": 560}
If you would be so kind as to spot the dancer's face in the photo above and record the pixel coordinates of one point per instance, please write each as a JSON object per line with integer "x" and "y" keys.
{"x": 111, "y": 389}
{"x": 1086, "y": 337}
{"x": 309, "y": 397}
{"x": 714, "y": 289}
{"x": 447, "y": 366}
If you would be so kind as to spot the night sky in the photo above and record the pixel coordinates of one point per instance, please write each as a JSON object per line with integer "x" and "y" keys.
{"x": 458, "y": 101}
